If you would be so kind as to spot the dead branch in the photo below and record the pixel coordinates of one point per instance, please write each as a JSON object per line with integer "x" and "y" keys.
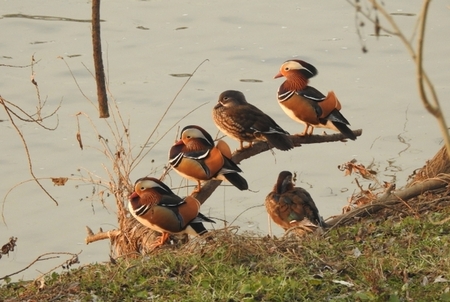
{"x": 47, "y": 256}
{"x": 98, "y": 61}
{"x": 130, "y": 239}
{"x": 238, "y": 156}
{"x": 100, "y": 235}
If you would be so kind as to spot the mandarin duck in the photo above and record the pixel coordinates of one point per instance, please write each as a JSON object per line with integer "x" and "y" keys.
{"x": 242, "y": 121}
{"x": 155, "y": 206}
{"x": 307, "y": 105}
{"x": 288, "y": 205}
{"x": 196, "y": 157}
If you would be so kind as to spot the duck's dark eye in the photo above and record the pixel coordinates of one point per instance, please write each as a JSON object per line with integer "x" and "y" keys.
{"x": 286, "y": 68}
{"x": 142, "y": 188}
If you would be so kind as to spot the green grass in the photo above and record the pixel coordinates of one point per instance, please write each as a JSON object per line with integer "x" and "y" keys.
{"x": 374, "y": 260}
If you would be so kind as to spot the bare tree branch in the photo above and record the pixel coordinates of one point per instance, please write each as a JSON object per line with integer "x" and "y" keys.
{"x": 210, "y": 186}
{"x": 98, "y": 61}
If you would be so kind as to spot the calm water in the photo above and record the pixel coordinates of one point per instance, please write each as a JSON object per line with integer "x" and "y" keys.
{"x": 146, "y": 41}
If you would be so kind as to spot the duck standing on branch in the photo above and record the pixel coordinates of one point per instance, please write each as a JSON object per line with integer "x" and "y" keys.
{"x": 307, "y": 105}
{"x": 289, "y": 206}
{"x": 155, "y": 206}
{"x": 242, "y": 121}
{"x": 196, "y": 157}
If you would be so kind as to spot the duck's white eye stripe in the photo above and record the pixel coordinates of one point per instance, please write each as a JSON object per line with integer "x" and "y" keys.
{"x": 146, "y": 184}
{"x": 198, "y": 133}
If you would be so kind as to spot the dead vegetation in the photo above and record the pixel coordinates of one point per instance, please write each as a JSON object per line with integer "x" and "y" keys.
{"x": 427, "y": 191}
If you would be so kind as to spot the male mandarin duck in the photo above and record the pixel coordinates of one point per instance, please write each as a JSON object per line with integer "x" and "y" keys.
{"x": 240, "y": 120}
{"x": 307, "y": 105}
{"x": 155, "y": 206}
{"x": 196, "y": 157}
{"x": 288, "y": 205}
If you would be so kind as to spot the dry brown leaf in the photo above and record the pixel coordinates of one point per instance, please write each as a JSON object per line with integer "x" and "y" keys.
{"x": 79, "y": 140}
{"x": 353, "y": 167}
{"x": 59, "y": 181}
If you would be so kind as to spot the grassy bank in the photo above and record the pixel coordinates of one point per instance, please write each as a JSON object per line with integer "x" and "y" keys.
{"x": 375, "y": 260}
